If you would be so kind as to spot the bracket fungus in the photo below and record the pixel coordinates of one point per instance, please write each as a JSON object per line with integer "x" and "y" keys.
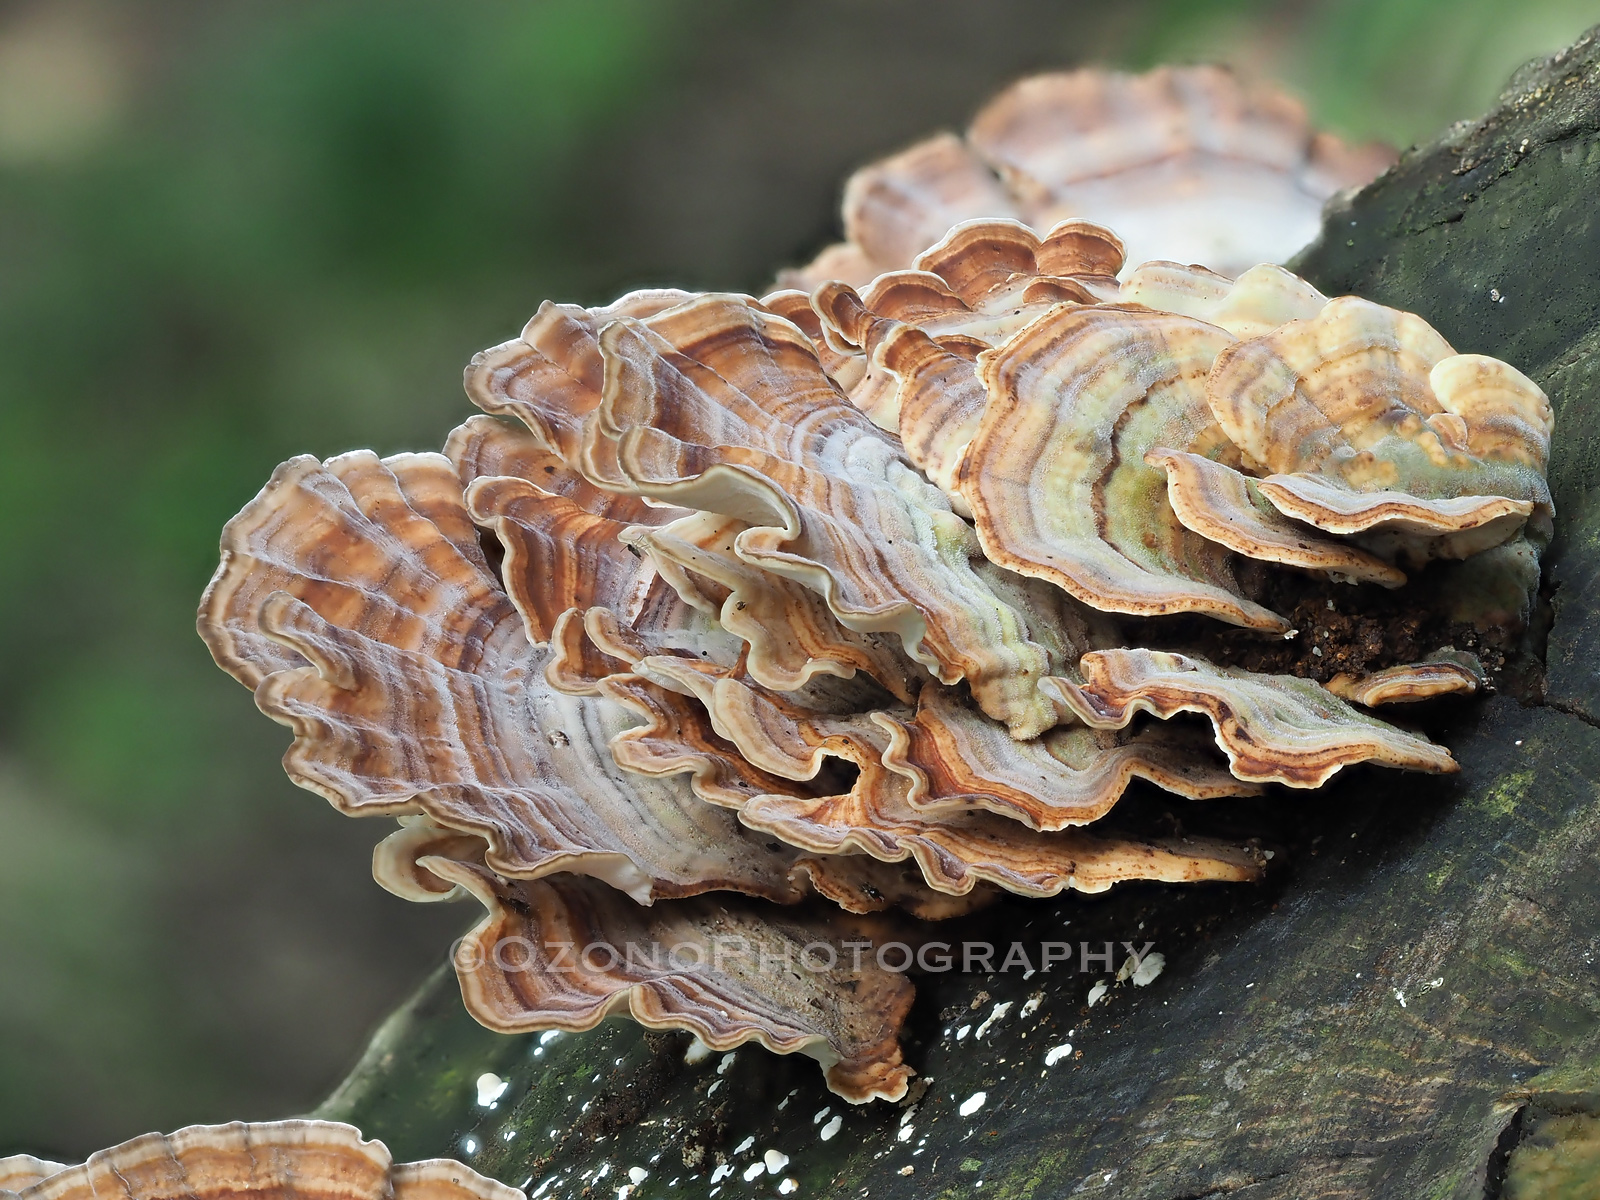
{"x": 1186, "y": 163}
{"x": 1371, "y": 424}
{"x": 271, "y": 1160}
{"x": 773, "y": 622}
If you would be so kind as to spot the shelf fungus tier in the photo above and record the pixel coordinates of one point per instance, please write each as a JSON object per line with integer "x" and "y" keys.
{"x": 1273, "y": 728}
{"x": 957, "y": 760}
{"x": 721, "y": 406}
{"x": 1229, "y": 508}
{"x": 775, "y": 623}
{"x": 791, "y": 634}
{"x": 952, "y": 839}
{"x": 414, "y": 688}
{"x": 21, "y": 1171}
{"x": 1056, "y": 476}
{"x": 271, "y": 1160}
{"x": 565, "y": 953}
{"x": 1445, "y": 673}
{"x": 907, "y": 347}
{"x": 1364, "y": 421}
{"x": 1186, "y": 163}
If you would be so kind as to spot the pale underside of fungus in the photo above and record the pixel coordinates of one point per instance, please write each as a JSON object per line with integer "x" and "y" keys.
{"x": 274, "y": 1160}
{"x": 746, "y": 630}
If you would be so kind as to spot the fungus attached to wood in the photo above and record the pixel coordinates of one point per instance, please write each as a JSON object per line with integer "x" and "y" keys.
{"x": 772, "y": 623}
{"x": 1367, "y": 422}
{"x": 1056, "y": 475}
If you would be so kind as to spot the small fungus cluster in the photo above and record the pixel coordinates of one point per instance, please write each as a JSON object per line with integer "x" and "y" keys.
{"x": 787, "y": 623}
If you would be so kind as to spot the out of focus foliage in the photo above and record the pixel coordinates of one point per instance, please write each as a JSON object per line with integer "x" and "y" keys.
{"x": 234, "y": 231}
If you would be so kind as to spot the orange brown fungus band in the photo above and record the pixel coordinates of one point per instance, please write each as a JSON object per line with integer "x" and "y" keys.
{"x": 822, "y": 615}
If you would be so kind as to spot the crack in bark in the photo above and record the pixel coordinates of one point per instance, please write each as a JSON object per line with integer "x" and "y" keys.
{"x": 1225, "y": 1189}
{"x": 1567, "y": 708}
{"x": 1494, "y": 1176}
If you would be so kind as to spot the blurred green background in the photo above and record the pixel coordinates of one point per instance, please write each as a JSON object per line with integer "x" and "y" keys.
{"x": 234, "y": 230}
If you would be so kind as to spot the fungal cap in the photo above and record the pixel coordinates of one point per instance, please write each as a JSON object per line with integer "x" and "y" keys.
{"x": 847, "y": 1020}
{"x": 1228, "y": 507}
{"x": 1448, "y": 672}
{"x": 1056, "y": 477}
{"x": 19, "y": 1171}
{"x": 275, "y": 1160}
{"x": 721, "y": 406}
{"x": 1273, "y": 728}
{"x": 1366, "y": 420}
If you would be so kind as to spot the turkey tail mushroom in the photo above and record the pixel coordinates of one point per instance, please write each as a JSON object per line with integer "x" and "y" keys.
{"x": 1273, "y": 728}
{"x": 1368, "y": 422}
{"x": 1187, "y": 163}
{"x": 771, "y": 623}
{"x": 1056, "y": 476}
{"x": 273, "y": 1160}
{"x": 565, "y": 953}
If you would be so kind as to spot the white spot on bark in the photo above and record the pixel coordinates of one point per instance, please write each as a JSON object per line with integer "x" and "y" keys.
{"x": 1150, "y": 966}
{"x": 1000, "y": 1010}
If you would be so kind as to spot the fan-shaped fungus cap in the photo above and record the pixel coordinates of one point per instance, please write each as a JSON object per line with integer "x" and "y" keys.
{"x": 1227, "y": 507}
{"x": 917, "y": 333}
{"x": 958, "y": 761}
{"x": 791, "y": 633}
{"x": 274, "y": 1160}
{"x": 1257, "y": 302}
{"x": 898, "y": 207}
{"x": 550, "y": 377}
{"x": 383, "y": 636}
{"x": 1185, "y": 162}
{"x": 1056, "y": 476}
{"x": 1273, "y": 728}
{"x": 565, "y": 953}
{"x": 1447, "y": 672}
{"x": 721, "y": 406}
{"x": 1369, "y": 422}
{"x": 957, "y": 846}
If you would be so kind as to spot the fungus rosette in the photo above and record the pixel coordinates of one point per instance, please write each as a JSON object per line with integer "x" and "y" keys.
{"x": 272, "y": 1160}
{"x": 741, "y": 630}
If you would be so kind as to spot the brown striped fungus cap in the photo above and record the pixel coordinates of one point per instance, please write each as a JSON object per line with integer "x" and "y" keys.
{"x": 1186, "y": 163}
{"x": 274, "y": 1160}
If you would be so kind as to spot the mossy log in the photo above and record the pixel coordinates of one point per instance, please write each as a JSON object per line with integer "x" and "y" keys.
{"x": 1410, "y": 1009}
